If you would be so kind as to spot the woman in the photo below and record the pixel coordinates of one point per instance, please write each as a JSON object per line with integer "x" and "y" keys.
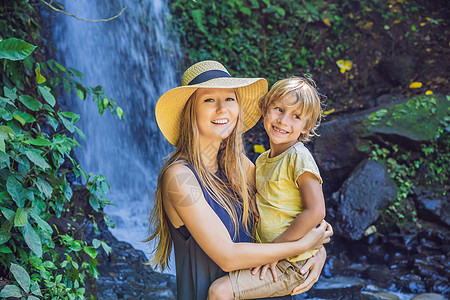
{"x": 205, "y": 188}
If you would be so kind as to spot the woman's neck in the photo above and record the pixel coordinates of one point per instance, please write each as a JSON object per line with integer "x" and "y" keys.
{"x": 209, "y": 151}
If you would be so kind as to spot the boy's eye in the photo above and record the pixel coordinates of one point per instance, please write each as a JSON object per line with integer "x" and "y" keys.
{"x": 297, "y": 117}
{"x": 279, "y": 109}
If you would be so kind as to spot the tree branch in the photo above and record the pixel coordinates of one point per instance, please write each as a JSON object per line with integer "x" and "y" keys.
{"x": 75, "y": 14}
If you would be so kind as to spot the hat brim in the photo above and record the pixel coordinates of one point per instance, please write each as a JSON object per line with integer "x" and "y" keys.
{"x": 170, "y": 105}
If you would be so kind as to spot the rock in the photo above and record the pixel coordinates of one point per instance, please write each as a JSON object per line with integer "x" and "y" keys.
{"x": 398, "y": 70}
{"x": 335, "y": 150}
{"x": 338, "y": 287}
{"x": 124, "y": 274}
{"x": 433, "y": 205}
{"x": 428, "y": 296}
{"x": 411, "y": 283}
{"x": 378, "y": 273}
{"x": 378, "y": 296}
{"x": 418, "y": 119}
{"x": 368, "y": 189}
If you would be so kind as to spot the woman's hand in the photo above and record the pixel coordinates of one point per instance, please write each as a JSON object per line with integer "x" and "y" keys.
{"x": 315, "y": 265}
{"x": 318, "y": 236}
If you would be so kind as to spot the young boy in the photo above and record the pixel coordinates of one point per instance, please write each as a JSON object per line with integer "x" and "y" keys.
{"x": 289, "y": 192}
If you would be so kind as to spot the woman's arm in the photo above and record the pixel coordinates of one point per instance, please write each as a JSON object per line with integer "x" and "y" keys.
{"x": 315, "y": 265}
{"x": 183, "y": 198}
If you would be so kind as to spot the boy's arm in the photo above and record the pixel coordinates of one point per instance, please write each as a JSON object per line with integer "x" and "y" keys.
{"x": 313, "y": 209}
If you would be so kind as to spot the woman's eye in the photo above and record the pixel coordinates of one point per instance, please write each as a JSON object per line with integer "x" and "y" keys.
{"x": 230, "y": 99}
{"x": 209, "y": 100}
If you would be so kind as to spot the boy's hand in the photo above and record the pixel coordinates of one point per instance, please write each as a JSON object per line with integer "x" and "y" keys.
{"x": 255, "y": 211}
{"x": 273, "y": 268}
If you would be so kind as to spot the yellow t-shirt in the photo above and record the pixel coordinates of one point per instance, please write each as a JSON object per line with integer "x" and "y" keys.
{"x": 278, "y": 195}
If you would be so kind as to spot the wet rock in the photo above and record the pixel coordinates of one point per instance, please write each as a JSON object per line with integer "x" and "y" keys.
{"x": 398, "y": 70}
{"x": 338, "y": 287}
{"x": 378, "y": 273}
{"x": 124, "y": 274}
{"x": 411, "y": 283}
{"x": 378, "y": 296}
{"x": 428, "y": 296}
{"x": 433, "y": 205}
{"x": 368, "y": 189}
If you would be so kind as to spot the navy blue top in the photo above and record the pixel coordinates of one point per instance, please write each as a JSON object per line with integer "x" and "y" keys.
{"x": 195, "y": 271}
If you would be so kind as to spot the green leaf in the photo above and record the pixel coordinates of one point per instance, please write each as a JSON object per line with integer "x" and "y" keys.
{"x": 69, "y": 125}
{"x": 35, "y": 289}
{"x": 198, "y": 17}
{"x": 9, "y": 214}
{"x": 30, "y": 102}
{"x": 45, "y": 92}
{"x": 4, "y": 157}
{"x": 106, "y": 248}
{"x": 81, "y": 93}
{"x": 16, "y": 190}
{"x": 38, "y": 142}
{"x": 93, "y": 201}
{"x": 37, "y": 159}
{"x": 31, "y": 297}
{"x": 119, "y": 112}
{"x": 11, "y": 291}
{"x": 22, "y": 277}
{"x": 32, "y": 239}
{"x": 6, "y": 100}
{"x": 5, "y": 115}
{"x": 21, "y": 217}
{"x": 10, "y": 93}
{"x": 39, "y": 78}
{"x": 19, "y": 119}
{"x": 15, "y": 49}
{"x": 53, "y": 122}
{"x": 6, "y": 132}
{"x": 67, "y": 190}
{"x": 245, "y": 10}
{"x": 41, "y": 223}
{"x": 25, "y": 116}
{"x": 5, "y": 249}
{"x": 44, "y": 187}
{"x": 4, "y": 235}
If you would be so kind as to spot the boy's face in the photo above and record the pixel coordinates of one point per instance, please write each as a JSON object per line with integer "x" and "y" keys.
{"x": 284, "y": 123}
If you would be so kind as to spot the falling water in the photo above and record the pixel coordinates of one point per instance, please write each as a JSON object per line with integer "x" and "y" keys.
{"x": 134, "y": 60}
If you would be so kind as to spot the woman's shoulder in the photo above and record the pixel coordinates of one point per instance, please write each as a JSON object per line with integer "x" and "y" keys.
{"x": 178, "y": 172}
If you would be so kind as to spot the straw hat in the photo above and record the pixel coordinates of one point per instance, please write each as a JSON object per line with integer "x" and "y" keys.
{"x": 207, "y": 74}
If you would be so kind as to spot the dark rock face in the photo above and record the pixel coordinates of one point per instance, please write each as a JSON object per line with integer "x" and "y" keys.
{"x": 398, "y": 70}
{"x": 433, "y": 205}
{"x": 123, "y": 273}
{"x": 368, "y": 189}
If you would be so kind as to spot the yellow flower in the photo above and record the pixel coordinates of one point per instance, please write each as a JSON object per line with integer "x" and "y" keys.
{"x": 327, "y": 112}
{"x": 415, "y": 85}
{"x": 344, "y": 65}
{"x": 429, "y": 92}
{"x": 327, "y": 22}
{"x": 259, "y": 149}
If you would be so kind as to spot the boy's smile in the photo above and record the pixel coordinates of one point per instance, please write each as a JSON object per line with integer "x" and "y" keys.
{"x": 284, "y": 123}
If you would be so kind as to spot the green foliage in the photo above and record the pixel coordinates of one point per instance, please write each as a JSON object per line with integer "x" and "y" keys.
{"x": 408, "y": 167}
{"x": 37, "y": 167}
{"x": 274, "y": 39}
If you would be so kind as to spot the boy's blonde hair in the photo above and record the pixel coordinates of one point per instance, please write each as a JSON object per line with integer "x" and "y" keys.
{"x": 307, "y": 98}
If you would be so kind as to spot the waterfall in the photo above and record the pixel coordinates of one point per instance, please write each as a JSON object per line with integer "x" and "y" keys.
{"x": 134, "y": 60}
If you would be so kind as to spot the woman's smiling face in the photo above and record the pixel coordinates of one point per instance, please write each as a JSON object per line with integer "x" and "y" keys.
{"x": 216, "y": 112}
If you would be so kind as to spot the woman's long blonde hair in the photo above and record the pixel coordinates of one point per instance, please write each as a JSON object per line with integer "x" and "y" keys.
{"x": 230, "y": 161}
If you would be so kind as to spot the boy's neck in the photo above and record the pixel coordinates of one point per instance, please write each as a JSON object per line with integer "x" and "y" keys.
{"x": 277, "y": 149}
